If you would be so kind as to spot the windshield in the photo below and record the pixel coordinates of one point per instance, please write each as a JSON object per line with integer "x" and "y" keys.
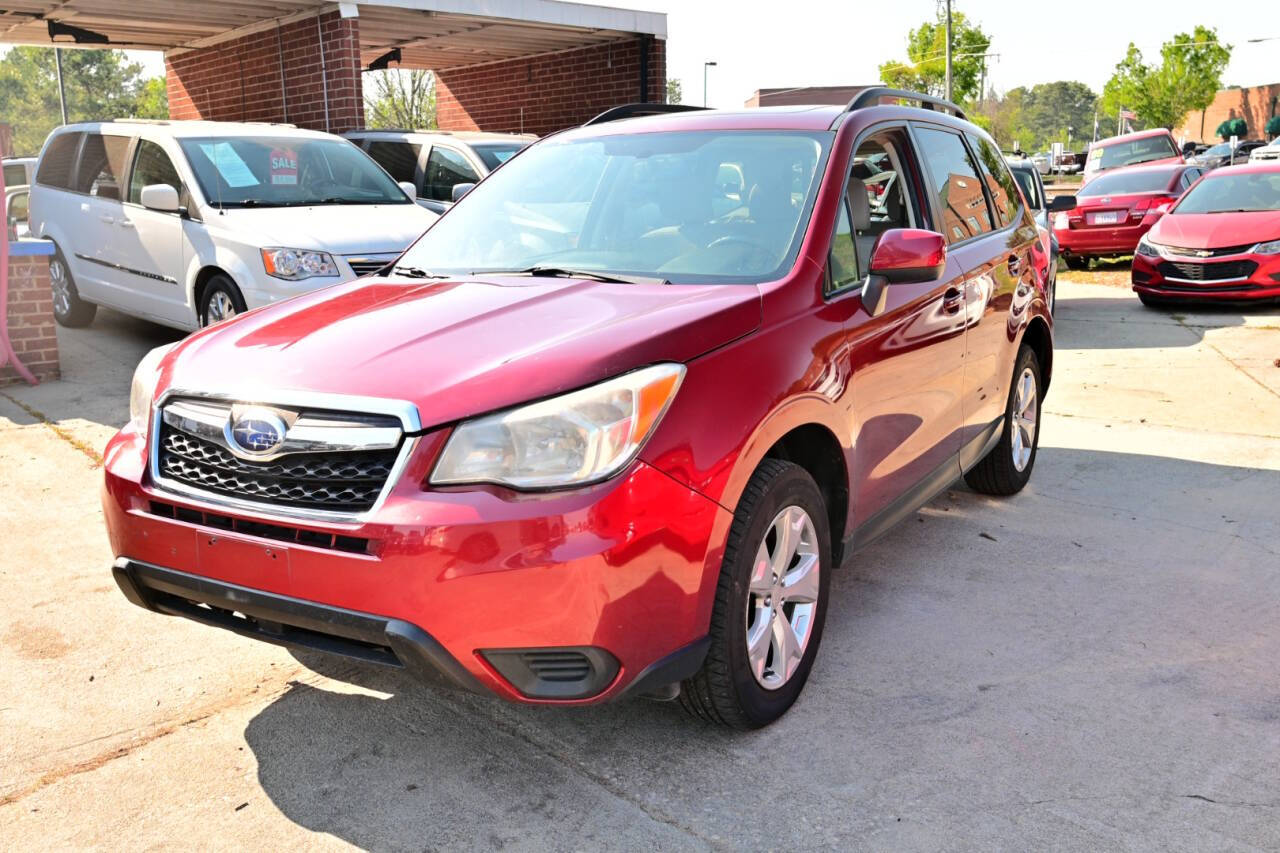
{"x": 695, "y": 206}
{"x": 1219, "y": 193}
{"x": 1120, "y": 183}
{"x": 1027, "y": 184}
{"x": 494, "y": 154}
{"x": 282, "y": 171}
{"x": 1130, "y": 153}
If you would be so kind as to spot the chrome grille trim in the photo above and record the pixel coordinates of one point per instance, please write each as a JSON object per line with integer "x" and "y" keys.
{"x": 199, "y": 406}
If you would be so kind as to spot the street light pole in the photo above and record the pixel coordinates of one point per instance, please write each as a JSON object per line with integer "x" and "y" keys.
{"x": 948, "y": 50}
{"x": 62, "y": 95}
{"x": 705, "y": 66}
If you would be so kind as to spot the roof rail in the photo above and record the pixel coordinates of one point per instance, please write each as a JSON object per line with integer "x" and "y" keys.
{"x": 637, "y": 110}
{"x": 872, "y": 95}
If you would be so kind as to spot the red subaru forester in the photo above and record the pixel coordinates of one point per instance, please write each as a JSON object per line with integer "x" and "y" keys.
{"x": 608, "y": 427}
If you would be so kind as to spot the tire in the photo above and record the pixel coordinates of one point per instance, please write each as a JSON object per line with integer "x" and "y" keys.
{"x": 68, "y": 308}
{"x": 221, "y": 300}
{"x": 1152, "y": 301}
{"x": 1076, "y": 262}
{"x": 1007, "y": 468}
{"x": 727, "y": 690}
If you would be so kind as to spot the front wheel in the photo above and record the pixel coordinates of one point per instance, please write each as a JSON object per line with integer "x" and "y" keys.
{"x": 220, "y": 301}
{"x": 771, "y": 601}
{"x": 1007, "y": 468}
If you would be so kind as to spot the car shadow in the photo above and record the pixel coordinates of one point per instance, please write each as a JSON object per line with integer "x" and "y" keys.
{"x": 1089, "y": 322}
{"x": 985, "y": 651}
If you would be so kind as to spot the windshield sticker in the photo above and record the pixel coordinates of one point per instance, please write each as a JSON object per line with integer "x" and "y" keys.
{"x": 284, "y": 166}
{"x": 228, "y": 163}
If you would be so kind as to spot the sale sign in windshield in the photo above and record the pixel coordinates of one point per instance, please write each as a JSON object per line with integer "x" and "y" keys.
{"x": 284, "y": 166}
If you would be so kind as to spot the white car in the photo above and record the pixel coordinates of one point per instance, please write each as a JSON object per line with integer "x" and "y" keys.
{"x": 1268, "y": 153}
{"x": 18, "y": 171}
{"x": 186, "y": 223}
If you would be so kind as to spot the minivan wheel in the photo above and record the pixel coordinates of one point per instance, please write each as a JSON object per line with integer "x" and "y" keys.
{"x": 771, "y": 601}
{"x": 68, "y": 308}
{"x": 1007, "y": 468}
{"x": 220, "y": 301}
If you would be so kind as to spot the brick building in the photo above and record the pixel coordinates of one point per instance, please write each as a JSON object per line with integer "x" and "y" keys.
{"x": 500, "y": 65}
{"x": 795, "y": 95}
{"x": 1254, "y": 104}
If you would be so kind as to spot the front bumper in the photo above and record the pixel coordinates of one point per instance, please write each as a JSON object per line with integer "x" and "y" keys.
{"x": 1263, "y": 284}
{"x": 573, "y": 597}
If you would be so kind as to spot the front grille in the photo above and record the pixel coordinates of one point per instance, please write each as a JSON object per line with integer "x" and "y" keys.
{"x": 1208, "y": 272}
{"x": 341, "y": 481}
{"x": 363, "y": 266}
{"x": 1213, "y": 253}
{"x": 280, "y": 533}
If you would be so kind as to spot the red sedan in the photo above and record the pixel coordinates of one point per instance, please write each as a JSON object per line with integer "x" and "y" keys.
{"x": 607, "y": 428}
{"x": 1115, "y": 209}
{"x": 1220, "y": 242}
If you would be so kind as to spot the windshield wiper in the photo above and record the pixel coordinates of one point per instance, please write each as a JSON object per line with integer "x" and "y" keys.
{"x": 416, "y": 272}
{"x": 560, "y": 272}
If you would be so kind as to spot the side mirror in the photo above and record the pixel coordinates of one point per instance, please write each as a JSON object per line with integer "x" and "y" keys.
{"x": 409, "y": 189}
{"x": 905, "y": 255}
{"x": 161, "y": 197}
{"x": 459, "y": 190}
{"x": 1061, "y": 203}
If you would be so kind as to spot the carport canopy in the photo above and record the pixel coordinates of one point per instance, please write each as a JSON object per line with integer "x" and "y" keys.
{"x": 434, "y": 34}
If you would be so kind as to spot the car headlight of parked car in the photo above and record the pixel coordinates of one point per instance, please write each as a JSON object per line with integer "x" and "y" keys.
{"x": 297, "y": 264}
{"x": 1272, "y": 248}
{"x": 1147, "y": 248}
{"x": 572, "y": 440}
{"x": 143, "y": 387}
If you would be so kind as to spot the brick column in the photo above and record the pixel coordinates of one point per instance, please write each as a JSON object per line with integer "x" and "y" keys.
{"x": 554, "y": 90}
{"x": 30, "y": 313}
{"x": 274, "y": 75}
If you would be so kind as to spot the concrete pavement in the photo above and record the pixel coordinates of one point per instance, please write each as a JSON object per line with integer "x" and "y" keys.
{"x": 1088, "y": 665}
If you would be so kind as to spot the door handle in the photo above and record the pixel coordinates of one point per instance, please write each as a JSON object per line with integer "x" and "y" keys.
{"x": 1015, "y": 264}
{"x": 107, "y": 219}
{"x": 952, "y": 299}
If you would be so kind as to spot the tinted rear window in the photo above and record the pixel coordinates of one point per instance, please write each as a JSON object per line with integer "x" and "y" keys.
{"x": 15, "y": 175}
{"x": 494, "y": 154}
{"x": 1128, "y": 182}
{"x": 59, "y": 157}
{"x": 102, "y": 165}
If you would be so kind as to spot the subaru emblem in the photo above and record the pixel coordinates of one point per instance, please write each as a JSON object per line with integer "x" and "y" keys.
{"x": 256, "y": 431}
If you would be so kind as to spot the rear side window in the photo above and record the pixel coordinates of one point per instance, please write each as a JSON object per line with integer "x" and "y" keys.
{"x": 400, "y": 159}
{"x": 953, "y": 180}
{"x": 58, "y": 160}
{"x": 446, "y": 167}
{"x": 1000, "y": 185}
{"x": 15, "y": 175}
{"x": 102, "y": 164}
{"x": 151, "y": 166}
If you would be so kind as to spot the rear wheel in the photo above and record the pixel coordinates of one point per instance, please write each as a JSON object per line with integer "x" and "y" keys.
{"x": 770, "y": 602}
{"x": 68, "y": 308}
{"x": 1076, "y": 262}
{"x": 1007, "y": 468}
{"x": 221, "y": 300}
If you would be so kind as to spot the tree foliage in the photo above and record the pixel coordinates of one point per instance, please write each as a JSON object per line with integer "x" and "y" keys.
{"x": 1036, "y": 117}
{"x": 925, "y": 68}
{"x": 1237, "y": 127}
{"x": 675, "y": 92}
{"x": 99, "y": 84}
{"x": 1187, "y": 78}
{"x": 1272, "y": 130}
{"x": 400, "y": 98}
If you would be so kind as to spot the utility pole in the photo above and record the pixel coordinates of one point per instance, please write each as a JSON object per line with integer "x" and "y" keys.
{"x": 948, "y": 50}
{"x": 62, "y": 95}
{"x": 705, "y": 66}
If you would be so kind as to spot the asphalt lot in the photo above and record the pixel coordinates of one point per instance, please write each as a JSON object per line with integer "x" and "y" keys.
{"x": 1090, "y": 665}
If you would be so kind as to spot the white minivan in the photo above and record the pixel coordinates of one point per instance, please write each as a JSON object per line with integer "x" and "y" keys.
{"x": 186, "y": 223}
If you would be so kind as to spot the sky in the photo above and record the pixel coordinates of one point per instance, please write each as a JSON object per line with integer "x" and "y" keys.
{"x": 820, "y": 42}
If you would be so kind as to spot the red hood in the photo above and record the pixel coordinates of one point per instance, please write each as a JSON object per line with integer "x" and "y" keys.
{"x": 460, "y": 348}
{"x": 1216, "y": 230}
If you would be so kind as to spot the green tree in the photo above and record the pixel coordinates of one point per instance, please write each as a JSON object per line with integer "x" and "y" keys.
{"x": 675, "y": 93}
{"x": 400, "y": 98}
{"x": 1237, "y": 127}
{"x": 1050, "y": 109}
{"x": 1187, "y": 78}
{"x": 1272, "y": 130}
{"x": 99, "y": 84}
{"x": 925, "y": 69}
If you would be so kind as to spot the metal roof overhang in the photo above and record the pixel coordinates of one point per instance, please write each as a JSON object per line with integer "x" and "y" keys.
{"x": 435, "y": 34}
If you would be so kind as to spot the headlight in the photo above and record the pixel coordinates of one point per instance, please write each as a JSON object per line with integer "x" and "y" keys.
{"x": 1272, "y": 248}
{"x": 572, "y": 440}
{"x": 297, "y": 264}
{"x": 143, "y": 388}
{"x": 1147, "y": 248}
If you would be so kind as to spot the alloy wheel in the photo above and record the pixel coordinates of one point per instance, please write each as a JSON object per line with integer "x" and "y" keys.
{"x": 782, "y": 598}
{"x": 219, "y": 308}
{"x": 61, "y": 287}
{"x": 1024, "y": 419}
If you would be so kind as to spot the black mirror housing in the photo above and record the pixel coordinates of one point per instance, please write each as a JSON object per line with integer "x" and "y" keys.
{"x": 1060, "y": 203}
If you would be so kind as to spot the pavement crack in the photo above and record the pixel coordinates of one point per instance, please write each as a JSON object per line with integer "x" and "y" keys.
{"x": 1244, "y": 803}
{"x": 58, "y": 430}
